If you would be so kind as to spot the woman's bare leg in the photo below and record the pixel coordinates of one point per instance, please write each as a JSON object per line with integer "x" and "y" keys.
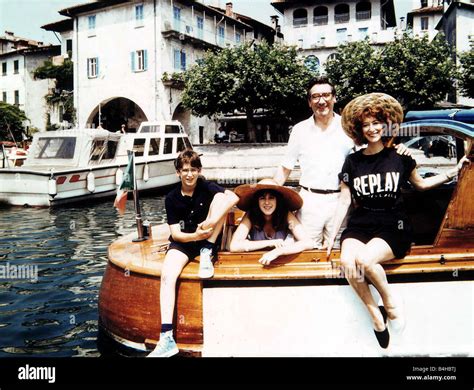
{"x": 350, "y": 250}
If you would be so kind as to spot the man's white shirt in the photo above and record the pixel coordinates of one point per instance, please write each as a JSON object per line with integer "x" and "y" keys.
{"x": 320, "y": 153}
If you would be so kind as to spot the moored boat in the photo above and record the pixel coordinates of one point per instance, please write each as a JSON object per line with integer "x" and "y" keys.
{"x": 301, "y": 305}
{"x": 67, "y": 166}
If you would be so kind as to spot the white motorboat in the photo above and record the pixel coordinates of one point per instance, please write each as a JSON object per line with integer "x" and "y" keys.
{"x": 68, "y": 166}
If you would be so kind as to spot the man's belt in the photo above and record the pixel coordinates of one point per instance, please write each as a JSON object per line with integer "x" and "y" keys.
{"x": 316, "y": 191}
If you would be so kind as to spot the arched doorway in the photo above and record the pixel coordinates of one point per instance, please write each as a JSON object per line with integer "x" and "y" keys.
{"x": 114, "y": 112}
{"x": 184, "y": 116}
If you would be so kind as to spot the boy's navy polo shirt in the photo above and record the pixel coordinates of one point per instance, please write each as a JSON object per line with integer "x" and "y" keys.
{"x": 189, "y": 211}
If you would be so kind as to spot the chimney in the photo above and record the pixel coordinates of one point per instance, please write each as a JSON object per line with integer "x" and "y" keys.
{"x": 274, "y": 22}
{"x": 402, "y": 23}
{"x": 229, "y": 10}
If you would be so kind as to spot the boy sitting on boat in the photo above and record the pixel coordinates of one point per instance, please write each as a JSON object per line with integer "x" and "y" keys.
{"x": 195, "y": 211}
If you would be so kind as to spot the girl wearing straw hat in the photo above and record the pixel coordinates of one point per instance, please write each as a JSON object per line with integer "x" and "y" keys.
{"x": 269, "y": 221}
{"x": 378, "y": 229}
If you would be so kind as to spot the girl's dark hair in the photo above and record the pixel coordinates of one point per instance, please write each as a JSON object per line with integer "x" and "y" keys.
{"x": 279, "y": 216}
{"x": 187, "y": 156}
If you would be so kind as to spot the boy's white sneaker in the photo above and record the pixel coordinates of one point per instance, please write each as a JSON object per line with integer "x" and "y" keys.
{"x": 166, "y": 347}
{"x": 206, "y": 268}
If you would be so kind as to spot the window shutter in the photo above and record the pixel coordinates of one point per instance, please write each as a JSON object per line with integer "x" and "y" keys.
{"x": 183, "y": 60}
{"x": 145, "y": 59}
{"x": 97, "y": 66}
{"x": 132, "y": 57}
{"x": 176, "y": 59}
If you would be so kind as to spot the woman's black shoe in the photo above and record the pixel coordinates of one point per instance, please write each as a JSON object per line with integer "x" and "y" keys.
{"x": 383, "y": 337}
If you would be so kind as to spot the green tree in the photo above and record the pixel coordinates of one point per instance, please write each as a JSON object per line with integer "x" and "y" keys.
{"x": 354, "y": 70}
{"x": 11, "y": 122}
{"x": 466, "y": 73}
{"x": 417, "y": 72}
{"x": 63, "y": 93}
{"x": 63, "y": 74}
{"x": 247, "y": 78}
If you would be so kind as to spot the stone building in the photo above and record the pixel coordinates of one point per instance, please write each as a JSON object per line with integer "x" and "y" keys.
{"x": 128, "y": 54}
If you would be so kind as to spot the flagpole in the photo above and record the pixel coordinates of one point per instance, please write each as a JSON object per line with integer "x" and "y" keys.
{"x": 136, "y": 203}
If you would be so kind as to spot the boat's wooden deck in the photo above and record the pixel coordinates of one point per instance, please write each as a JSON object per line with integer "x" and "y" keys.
{"x": 147, "y": 257}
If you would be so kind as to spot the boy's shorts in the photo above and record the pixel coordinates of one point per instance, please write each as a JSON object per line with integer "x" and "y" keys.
{"x": 192, "y": 249}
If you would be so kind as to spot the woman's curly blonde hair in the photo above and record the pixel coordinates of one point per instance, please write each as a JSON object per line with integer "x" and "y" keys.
{"x": 379, "y": 105}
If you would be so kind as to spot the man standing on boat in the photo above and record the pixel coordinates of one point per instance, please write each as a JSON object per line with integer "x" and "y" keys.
{"x": 320, "y": 146}
{"x": 195, "y": 212}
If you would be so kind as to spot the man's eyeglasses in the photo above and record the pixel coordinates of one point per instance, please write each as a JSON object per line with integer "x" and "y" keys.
{"x": 325, "y": 96}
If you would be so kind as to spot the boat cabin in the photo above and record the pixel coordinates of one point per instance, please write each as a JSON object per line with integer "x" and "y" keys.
{"x": 157, "y": 139}
{"x": 72, "y": 148}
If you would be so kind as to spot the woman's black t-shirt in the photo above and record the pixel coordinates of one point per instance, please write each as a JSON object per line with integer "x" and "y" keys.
{"x": 375, "y": 182}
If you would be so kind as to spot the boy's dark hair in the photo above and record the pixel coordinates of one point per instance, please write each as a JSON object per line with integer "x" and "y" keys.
{"x": 279, "y": 217}
{"x": 317, "y": 81}
{"x": 187, "y": 156}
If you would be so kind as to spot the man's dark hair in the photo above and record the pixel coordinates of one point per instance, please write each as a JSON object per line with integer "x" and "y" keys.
{"x": 318, "y": 81}
{"x": 187, "y": 156}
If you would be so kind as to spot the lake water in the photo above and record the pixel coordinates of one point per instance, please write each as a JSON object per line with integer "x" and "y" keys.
{"x": 60, "y": 255}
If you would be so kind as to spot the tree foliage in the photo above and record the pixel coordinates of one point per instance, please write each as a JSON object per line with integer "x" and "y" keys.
{"x": 11, "y": 122}
{"x": 63, "y": 93}
{"x": 63, "y": 74}
{"x": 466, "y": 73}
{"x": 417, "y": 72}
{"x": 247, "y": 78}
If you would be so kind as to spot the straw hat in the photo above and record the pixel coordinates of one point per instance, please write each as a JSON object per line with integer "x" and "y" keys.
{"x": 378, "y": 101}
{"x": 246, "y": 192}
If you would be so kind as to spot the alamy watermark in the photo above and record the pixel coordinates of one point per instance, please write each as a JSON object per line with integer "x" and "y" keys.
{"x": 395, "y": 130}
{"x": 232, "y": 177}
{"x": 341, "y": 272}
{"x": 26, "y": 271}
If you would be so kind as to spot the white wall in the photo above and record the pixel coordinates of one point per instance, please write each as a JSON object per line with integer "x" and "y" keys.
{"x": 464, "y": 37}
{"x": 35, "y": 91}
{"x": 433, "y": 20}
{"x": 332, "y": 321}
{"x": 31, "y": 91}
{"x": 114, "y": 38}
{"x": 322, "y": 40}
{"x": 116, "y": 35}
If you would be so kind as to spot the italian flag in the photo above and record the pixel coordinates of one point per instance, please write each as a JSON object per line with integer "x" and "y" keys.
{"x": 128, "y": 184}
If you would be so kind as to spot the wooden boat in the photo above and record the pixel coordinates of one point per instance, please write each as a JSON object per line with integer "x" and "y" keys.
{"x": 300, "y": 305}
{"x": 68, "y": 166}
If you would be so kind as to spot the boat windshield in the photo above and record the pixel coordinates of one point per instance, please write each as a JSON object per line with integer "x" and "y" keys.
{"x": 56, "y": 147}
{"x": 150, "y": 129}
{"x": 103, "y": 150}
{"x": 183, "y": 143}
{"x": 172, "y": 129}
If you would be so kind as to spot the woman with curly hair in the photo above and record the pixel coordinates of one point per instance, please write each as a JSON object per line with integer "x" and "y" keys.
{"x": 378, "y": 228}
{"x": 269, "y": 221}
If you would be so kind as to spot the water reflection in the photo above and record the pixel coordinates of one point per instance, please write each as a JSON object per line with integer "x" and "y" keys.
{"x": 56, "y": 316}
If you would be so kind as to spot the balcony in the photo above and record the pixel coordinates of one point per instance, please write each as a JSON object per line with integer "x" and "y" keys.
{"x": 342, "y": 18}
{"x": 185, "y": 31}
{"x": 320, "y": 20}
{"x": 300, "y": 22}
{"x": 363, "y": 15}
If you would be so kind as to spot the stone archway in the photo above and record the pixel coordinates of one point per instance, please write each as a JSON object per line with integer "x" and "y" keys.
{"x": 116, "y": 111}
{"x": 183, "y": 115}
